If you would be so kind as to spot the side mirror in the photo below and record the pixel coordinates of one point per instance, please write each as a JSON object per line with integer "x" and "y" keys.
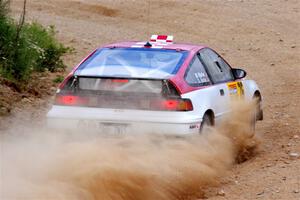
{"x": 239, "y": 73}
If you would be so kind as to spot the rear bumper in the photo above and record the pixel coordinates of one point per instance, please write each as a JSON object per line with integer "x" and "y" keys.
{"x": 115, "y": 127}
{"x": 122, "y": 121}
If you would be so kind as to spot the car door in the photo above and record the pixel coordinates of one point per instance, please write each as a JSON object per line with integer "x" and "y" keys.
{"x": 196, "y": 76}
{"x": 222, "y": 79}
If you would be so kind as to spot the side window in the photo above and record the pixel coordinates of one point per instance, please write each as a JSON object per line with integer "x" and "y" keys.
{"x": 196, "y": 74}
{"x": 218, "y": 69}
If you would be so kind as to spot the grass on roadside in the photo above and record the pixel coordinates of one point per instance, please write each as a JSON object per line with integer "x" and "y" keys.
{"x": 27, "y": 49}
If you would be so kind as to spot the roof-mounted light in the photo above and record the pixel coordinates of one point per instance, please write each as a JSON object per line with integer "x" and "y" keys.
{"x": 162, "y": 39}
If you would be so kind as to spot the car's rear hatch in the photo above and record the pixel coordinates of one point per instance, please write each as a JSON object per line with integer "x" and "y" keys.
{"x": 121, "y": 93}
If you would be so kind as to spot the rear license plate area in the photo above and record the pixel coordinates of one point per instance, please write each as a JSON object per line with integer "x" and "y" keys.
{"x": 113, "y": 128}
{"x": 106, "y": 128}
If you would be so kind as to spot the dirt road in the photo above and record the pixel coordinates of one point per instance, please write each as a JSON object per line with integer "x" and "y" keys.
{"x": 260, "y": 36}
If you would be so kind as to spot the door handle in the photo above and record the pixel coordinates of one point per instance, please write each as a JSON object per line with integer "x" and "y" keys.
{"x": 222, "y": 92}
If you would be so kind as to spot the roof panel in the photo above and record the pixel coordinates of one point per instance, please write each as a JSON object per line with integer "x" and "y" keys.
{"x": 182, "y": 46}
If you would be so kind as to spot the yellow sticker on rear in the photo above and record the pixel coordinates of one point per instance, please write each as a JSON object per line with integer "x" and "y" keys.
{"x": 236, "y": 89}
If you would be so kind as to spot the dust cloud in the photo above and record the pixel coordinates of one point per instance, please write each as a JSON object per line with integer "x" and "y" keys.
{"x": 42, "y": 164}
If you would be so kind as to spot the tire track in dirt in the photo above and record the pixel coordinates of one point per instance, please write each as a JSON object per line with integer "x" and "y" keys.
{"x": 76, "y": 9}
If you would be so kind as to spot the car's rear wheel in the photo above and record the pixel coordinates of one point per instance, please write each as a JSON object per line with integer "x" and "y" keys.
{"x": 255, "y": 115}
{"x": 207, "y": 122}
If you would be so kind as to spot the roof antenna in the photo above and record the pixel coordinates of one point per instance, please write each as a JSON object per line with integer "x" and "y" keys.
{"x": 148, "y": 44}
{"x": 148, "y": 19}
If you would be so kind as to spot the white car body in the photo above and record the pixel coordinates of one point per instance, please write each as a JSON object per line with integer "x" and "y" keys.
{"x": 215, "y": 98}
{"x": 141, "y": 121}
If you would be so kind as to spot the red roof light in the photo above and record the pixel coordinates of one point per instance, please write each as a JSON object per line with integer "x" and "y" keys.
{"x": 162, "y": 37}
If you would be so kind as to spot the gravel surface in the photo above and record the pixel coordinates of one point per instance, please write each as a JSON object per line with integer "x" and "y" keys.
{"x": 259, "y": 36}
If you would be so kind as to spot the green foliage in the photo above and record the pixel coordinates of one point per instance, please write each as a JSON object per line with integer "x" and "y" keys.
{"x": 31, "y": 48}
{"x": 13, "y": 54}
{"x": 47, "y": 50}
{"x": 58, "y": 79}
{"x": 4, "y": 7}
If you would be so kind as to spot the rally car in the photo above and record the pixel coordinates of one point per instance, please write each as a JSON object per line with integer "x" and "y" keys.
{"x": 150, "y": 87}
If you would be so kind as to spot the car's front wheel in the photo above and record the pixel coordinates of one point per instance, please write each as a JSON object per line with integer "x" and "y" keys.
{"x": 255, "y": 115}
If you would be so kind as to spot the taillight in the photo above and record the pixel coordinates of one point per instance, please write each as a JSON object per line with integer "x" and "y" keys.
{"x": 70, "y": 100}
{"x": 170, "y": 104}
{"x": 176, "y": 105}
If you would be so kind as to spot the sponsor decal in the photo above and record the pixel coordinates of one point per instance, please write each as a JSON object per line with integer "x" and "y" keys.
{"x": 236, "y": 89}
{"x": 193, "y": 126}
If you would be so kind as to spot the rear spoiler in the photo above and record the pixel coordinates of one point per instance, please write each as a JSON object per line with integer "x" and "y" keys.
{"x": 122, "y": 77}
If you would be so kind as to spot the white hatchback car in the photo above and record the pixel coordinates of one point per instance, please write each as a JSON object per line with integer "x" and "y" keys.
{"x": 150, "y": 87}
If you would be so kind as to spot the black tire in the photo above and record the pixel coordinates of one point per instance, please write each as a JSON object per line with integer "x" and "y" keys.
{"x": 252, "y": 123}
{"x": 255, "y": 115}
{"x": 259, "y": 111}
{"x": 207, "y": 121}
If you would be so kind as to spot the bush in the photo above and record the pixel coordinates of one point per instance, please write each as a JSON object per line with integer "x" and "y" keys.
{"x": 58, "y": 79}
{"x": 47, "y": 50}
{"x": 14, "y": 60}
{"x": 4, "y": 4}
{"x": 31, "y": 48}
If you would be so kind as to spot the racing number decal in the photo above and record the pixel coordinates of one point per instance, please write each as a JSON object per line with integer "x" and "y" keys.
{"x": 236, "y": 89}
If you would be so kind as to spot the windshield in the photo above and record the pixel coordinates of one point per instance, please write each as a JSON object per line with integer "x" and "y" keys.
{"x": 132, "y": 62}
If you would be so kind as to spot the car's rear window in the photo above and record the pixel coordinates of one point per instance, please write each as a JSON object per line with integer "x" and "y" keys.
{"x": 132, "y": 62}
{"x": 120, "y": 85}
